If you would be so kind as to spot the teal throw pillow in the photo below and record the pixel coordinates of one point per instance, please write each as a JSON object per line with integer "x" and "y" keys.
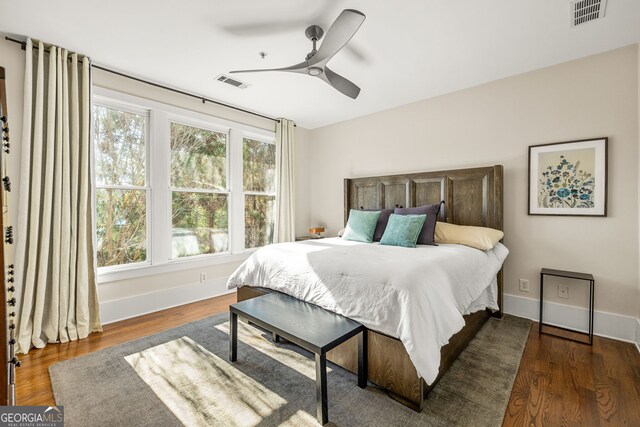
{"x": 361, "y": 225}
{"x": 403, "y": 230}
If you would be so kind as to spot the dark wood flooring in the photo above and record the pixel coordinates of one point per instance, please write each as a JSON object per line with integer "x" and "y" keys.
{"x": 564, "y": 383}
{"x": 33, "y": 386}
{"x": 559, "y": 383}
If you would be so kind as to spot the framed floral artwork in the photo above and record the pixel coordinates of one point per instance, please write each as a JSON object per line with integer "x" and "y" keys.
{"x": 568, "y": 178}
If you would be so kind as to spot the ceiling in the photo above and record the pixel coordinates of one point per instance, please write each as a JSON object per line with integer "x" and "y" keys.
{"x": 405, "y": 51}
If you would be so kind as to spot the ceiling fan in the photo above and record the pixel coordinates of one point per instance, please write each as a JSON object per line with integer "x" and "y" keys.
{"x": 315, "y": 63}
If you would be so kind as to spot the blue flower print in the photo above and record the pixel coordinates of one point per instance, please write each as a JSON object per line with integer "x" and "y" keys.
{"x": 565, "y": 185}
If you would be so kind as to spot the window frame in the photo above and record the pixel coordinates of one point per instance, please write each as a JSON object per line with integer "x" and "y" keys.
{"x": 188, "y": 121}
{"x": 245, "y": 193}
{"x": 159, "y": 224}
{"x": 127, "y": 107}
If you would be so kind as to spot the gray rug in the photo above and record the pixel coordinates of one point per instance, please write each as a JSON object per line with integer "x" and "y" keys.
{"x": 182, "y": 377}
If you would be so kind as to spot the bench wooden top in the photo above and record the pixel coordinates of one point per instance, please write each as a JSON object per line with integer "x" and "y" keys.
{"x": 300, "y": 322}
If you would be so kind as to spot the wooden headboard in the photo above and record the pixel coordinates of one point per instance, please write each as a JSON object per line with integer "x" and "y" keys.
{"x": 472, "y": 196}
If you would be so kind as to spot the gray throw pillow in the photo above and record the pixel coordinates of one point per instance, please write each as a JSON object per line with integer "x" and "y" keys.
{"x": 429, "y": 227}
{"x": 383, "y": 219}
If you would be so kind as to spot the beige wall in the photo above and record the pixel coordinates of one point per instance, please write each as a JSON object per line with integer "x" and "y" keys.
{"x": 494, "y": 124}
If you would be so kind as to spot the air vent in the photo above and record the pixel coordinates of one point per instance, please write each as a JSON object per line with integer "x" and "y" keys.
{"x": 233, "y": 82}
{"x": 583, "y": 11}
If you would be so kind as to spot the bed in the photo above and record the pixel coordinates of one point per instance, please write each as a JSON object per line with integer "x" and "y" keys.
{"x": 396, "y": 357}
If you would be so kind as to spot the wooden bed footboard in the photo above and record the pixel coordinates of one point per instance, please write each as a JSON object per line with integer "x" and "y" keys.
{"x": 390, "y": 367}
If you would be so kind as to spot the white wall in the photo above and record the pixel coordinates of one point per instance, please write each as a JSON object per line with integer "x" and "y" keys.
{"x": 494, "y": 124}
{"x": 125, "y": 298}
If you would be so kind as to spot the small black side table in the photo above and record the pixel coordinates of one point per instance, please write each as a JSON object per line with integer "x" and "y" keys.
{"x": 570, "y": 275}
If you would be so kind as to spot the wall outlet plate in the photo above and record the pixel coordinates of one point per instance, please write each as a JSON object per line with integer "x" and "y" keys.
{"x": 203, "y": 277}
{"x": 524, "y": 285}
{"x": 563, "y": 291}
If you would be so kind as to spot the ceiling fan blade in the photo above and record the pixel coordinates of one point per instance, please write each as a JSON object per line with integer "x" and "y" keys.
{"x": 297, "y": 68}
{"x": 341, "y": 84}
{"x": 341, "y": 31}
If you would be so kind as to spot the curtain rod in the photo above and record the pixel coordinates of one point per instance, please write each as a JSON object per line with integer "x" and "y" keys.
{"x": 202, "y": 98}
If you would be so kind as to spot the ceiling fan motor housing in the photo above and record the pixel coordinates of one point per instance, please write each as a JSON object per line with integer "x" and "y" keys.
{"x": 314, "y": 33}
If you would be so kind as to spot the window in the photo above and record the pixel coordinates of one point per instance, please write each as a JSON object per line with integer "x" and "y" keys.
{"x": 200, "y": 196}
{"x": 259, "y": 178}
{"x": 120, "y": 139}
{"x": 175, "y": 187}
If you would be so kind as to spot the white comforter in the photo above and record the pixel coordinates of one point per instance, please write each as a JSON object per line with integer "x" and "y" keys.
{"x": 417, "y": 295}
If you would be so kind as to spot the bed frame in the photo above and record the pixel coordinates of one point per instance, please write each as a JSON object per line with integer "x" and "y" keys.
{"x": 472, "y": 197}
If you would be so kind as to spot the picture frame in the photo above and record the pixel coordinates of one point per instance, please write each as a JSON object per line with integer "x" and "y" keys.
{"x": 568, "y": 178}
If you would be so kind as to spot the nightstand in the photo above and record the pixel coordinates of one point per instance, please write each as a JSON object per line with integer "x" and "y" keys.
{"x": 570, "y": 275}
{"x": 303, "y": 238}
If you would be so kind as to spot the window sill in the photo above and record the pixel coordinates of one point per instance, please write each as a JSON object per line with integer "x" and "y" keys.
{"x": 144, "y": 270}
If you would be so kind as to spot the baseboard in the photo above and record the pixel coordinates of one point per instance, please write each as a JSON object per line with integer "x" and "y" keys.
{"x": 138, "y": 305}
{"x": 608, "y": 325}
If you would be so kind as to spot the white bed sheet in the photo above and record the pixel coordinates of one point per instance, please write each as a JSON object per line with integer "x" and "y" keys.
{"x": 418, "y": 295}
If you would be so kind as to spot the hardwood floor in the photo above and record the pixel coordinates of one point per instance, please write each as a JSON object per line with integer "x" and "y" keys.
{"x": 559, "y": 383}
{"x": 33, "y": 383}
{"x": 563, "y": 383}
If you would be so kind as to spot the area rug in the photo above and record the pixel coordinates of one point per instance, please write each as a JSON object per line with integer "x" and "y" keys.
{"x": 182, "y": 377}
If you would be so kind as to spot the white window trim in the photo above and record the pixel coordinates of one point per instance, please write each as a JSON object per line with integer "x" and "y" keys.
{"x": 197, "y": 123}
{"x": 159, "y": 259}
{"x": 134, "y": 109}
{"x": 258, "y": 138}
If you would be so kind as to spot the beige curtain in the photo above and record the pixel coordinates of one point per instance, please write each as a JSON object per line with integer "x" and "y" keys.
{"x": 285, "y": 205}
{"x": 54, "y": 256}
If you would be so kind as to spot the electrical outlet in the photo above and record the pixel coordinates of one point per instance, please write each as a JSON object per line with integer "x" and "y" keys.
{"x": 524, "y": 285}
{"x": 563, "y": 291}
{"x": 203, "y": 277}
